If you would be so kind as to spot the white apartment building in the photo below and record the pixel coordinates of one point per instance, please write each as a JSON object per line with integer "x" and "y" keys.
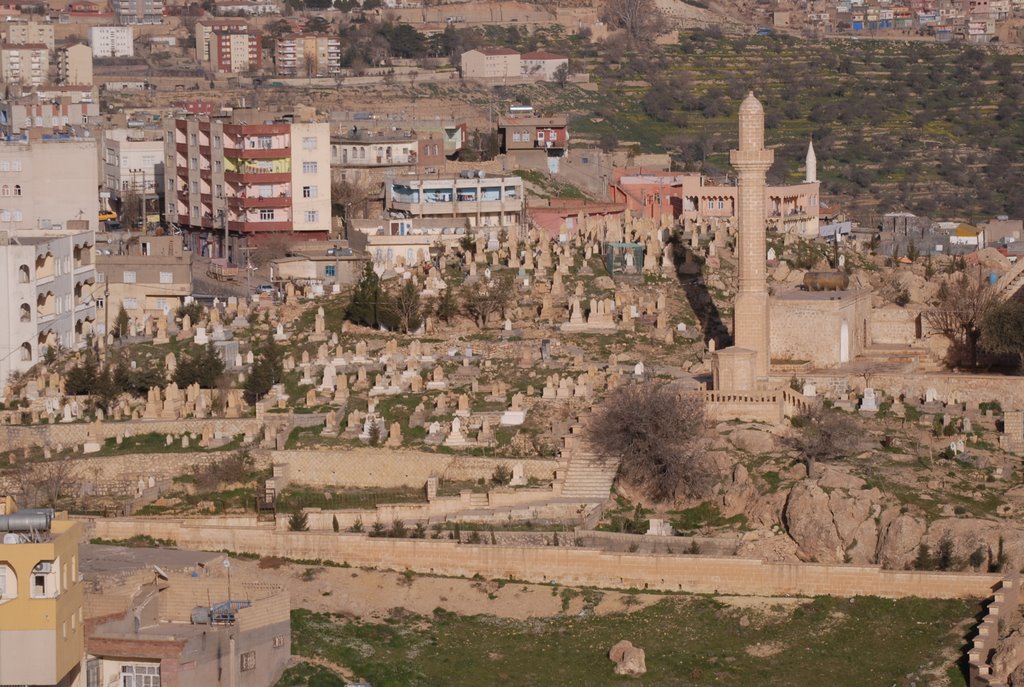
{"x": 112, "y": 41}
{"x": 25, "y": 64}
{"x": 133, "y": 162}
{"x": 47, "y": 278}
{"x": 22, "y": 33}
{"x": 47, "y": 182}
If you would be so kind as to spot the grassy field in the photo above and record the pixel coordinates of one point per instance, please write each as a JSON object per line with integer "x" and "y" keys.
{"x": 689, "y": 640}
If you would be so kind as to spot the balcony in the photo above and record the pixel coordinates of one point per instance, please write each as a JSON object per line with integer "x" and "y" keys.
{"x": 254, "y": 227}
{"x": 258, "y": 153}
{"x": 247, "y": 202}
{"x": 258, "y": 177}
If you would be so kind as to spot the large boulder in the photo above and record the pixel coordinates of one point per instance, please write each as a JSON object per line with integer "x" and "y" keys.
{"x": 853, "y": 516}
{"x": 968, "y": 535}
{"x": 629, "y": 660}
{"x": 1009, "y": 657}
{"x": 808, "y": 521}
{"x": 899, "y": 535}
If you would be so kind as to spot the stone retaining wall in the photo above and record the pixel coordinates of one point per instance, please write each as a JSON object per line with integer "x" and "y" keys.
{"x": 18, "y": 437}
{"x": 569, "y": 566}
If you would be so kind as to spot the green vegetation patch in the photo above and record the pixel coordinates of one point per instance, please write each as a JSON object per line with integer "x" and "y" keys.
{"x": 688, "y": 640}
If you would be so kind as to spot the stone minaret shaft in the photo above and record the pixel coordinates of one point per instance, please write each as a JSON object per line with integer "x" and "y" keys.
{"x": 751, "y": 162}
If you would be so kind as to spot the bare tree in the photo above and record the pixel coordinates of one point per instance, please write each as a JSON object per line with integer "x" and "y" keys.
{"x": 45, "y": 483}
{"x": 405, "y": 302}
{"x": 640, "y": 19}
{"x": 485, "y": 297}
{"x": 958, "y": 312}
{"x": 657, "y": 433}
{"x": 824, "y": 435}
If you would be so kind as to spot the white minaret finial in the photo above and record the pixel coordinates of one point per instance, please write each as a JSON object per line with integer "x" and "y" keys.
{"x": 812, "y": 164}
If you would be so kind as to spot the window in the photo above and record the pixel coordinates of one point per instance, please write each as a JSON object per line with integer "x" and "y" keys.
{"x": 148, "y": 161}
{"x": 147, "y": 248}
{"x": 217, "y": 143}
{"x": 5, "y": 190}
{"x": 309, "y": 142}
{"x": 129, "y": 277}
{"x": 309, "y": 192}
{"x": 92, "y": 673}
{"x": 515, "y": 136}
{"x": 194, "y": 163}
{"x": 23, "y": 274}
{"x": 26, "y": 352}
{"x": 139, "y": 675}
{"x": 329, "y": 271}
{"x": 309, "y": 167}
{"x": 15, "y": 165}
{"x": 161, "y": 303}
{"x": 5, "y": 165}
{"x": 266, "y": 214}
{"x": 216, "y": 165}
{"x": 312, "y": 216}
{"x": 17, "y": 215}
{"x": 166, "y": 278}
{"x": 192, "y": 140}
{"x": 247, "y": 661}
{"x": 219, "y": 190}
{"x": 195, "y": 187}
{"x": 278, "y": 641}
{"x": 721, "y": 205}
{"x": 130, "y": 304}
{"x": 124, "y": 185}
{"x": 3, "y": 582}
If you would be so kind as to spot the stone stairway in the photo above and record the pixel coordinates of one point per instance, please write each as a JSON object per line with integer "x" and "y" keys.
{"x": 1011, "y": 282}
{"x": 589, "y": 477}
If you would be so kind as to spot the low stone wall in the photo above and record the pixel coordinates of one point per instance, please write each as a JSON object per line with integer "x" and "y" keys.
{"x": 971, "y": 389}
{"x": 564, "y": 565}
{"x": 18, "y": 437}
{"x": 372, "y": 467}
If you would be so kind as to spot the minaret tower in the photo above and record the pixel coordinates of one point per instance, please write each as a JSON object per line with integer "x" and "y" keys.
{"x": 751, "y": 161}
{"x": 811, "y": 175}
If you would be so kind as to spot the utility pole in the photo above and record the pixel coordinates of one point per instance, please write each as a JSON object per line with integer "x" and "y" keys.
{"x": 247, "y": 254}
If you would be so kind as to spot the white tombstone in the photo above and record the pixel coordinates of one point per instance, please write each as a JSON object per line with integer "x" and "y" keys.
{"x": 638, "y": 369}
{"x": 810, "y": 389}
{"x": 201, "y": 338}
{"x": 869, "y": 403}
{"x": 518, "y": 476}
{"x": 931, "y": 395}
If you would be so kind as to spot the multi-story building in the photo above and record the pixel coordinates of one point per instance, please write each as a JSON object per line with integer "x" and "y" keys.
{"x": 204, "y": 33}
{"x": 133, "y": 165}
{"x": 48, "y": 181}
{"x": 23, "y": 33}
{"x": 47, "y": 277}
{"x": 542, "y": 65}
{"x": 112, "y": 41}
{"x": 27, "y": 64}
{"x": 146, "y": 275}
{"x": 491, "y": 63}
{"x": 234, "y": 51}
{"x": 139, "y": 11}
{"x": 248, "y": 175}
{"x": 42, "y": 636}
{"x": 492, "y": 202}
{"x": 307, "y": 55}
{"x": 46, "y": 110}
{"x": 74, "y": 65}
{"x": 245, "y": 8}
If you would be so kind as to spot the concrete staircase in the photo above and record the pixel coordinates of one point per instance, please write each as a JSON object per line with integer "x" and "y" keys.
{"x": 1012, "y": 282}
{"x": 589, "y": 477}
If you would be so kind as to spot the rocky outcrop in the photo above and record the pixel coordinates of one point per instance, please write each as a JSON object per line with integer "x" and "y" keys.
{"x": 808, "y": 520}
{"x": 899, "y": 535}
{"x": 629, "y": 660}
{"x": 975, "y": 536}
{"x": 1008, "y": 659}
{"x": 853, "y": 514}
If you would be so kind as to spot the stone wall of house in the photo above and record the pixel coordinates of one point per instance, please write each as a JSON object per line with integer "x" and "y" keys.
{"x": 563, "y": 565}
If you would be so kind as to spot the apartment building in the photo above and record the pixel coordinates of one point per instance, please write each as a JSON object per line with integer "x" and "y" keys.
{"x": 133, "y": 165}
{"x": 42, "y": 636}
{"x": 234, "y": 51}
{"x": 46, "y": 110}
{"x": 146, "y": 275}
{"x": 485, "y": 202}
{"x": 205, "y": 30}
{"x": 550, "y": 134}
{"x": 138, "y": 11}
{"x": 112, "y": 41}
{"x": 23, "y": 33}
{"x": 542, "y": 65}
{"x": 27, "y": 64}
{"x": 491, "y": 63}
{"x": 74, "y": 65}
{"x": 245, "y": 176}
{"x": 307, "y": 55}
{"x": 47, "y": 277}
{"x": 47, "y": 181}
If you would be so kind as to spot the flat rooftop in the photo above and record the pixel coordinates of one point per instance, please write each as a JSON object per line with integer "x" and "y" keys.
{"x": 98, "y": 561}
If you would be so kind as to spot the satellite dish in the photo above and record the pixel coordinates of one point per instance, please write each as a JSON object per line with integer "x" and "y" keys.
{"x": 227, "y": 563}
{"x": 160, "y": 573}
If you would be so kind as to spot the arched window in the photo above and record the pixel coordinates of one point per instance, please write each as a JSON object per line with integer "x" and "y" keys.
{"x": 23, "y": 274}
{"x": 8, "y": 583}
{"x": 26, "y": 352}
{"x": 26, "y": 312}
{"x": 5, "y": 190}
{"x": 17, "y": 189}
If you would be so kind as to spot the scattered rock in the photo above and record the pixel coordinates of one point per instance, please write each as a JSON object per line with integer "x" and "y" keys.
{"x": 629, "y": 660}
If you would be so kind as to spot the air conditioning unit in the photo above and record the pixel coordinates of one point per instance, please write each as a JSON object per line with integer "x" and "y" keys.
{"x": 43, "y": 567}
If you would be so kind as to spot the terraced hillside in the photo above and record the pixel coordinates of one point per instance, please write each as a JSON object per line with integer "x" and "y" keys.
{"x": 897, "y": 125}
